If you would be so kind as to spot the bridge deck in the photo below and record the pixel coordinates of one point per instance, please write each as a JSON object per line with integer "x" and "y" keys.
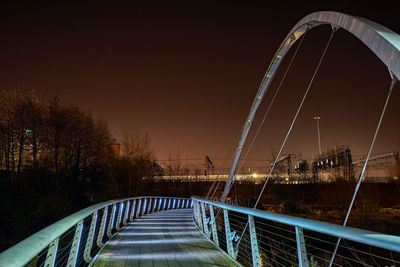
{"x": 166, "y": 238}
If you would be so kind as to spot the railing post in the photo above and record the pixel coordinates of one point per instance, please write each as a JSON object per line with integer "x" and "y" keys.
{"x": 102, "y": 227}
{"x": 158, "y": 204}
{"x": 89, "y": 240}
{"x": 138, "y": 208}
{"x": 154, "y": 205}
{"x": 254, "y": 244}
{"x": 197, "y": 215}
{"x": 228, "y": 236}
{"x": 73, "y": 253}
{"x": 165, "y": 203}
{"x": 133, "y": 210}
{"x": 179, "y": 203}
{"x": 51, "y": 253}
{"x": 126, "y": 212}
{"x": 213, "y": 225}
{"x": 144, "y": 206}
{"x": 205, "y": 221}
{"x": 301, "y": 247}
{"x": 173, "y": 204}
{"x": 110, "y": 222}
{"x": 117, "y": 224}
{"x": 149, "y": 201}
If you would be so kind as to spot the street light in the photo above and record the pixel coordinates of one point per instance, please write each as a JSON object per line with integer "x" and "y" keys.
{"x": 319, "y": 138}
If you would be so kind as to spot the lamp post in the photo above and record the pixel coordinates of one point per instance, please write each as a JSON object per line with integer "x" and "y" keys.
{"x": 319, "y": 138}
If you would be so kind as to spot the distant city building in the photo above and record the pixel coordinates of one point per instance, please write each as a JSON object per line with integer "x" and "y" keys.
{"x": 115, "y": 147}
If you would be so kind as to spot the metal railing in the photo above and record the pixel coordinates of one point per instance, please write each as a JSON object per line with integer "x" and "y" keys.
{"x": 76, "y": 239}
{"x": 271, "y": 239}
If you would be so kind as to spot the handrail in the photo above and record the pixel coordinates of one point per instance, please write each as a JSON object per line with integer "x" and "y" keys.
{"x": 271, "y": 231}
{"x": 23, "y": 252}
{"x": 375, "y": 239}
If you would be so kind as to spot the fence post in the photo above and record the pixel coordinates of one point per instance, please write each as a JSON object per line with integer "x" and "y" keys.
{"x": 102, "y": 227}
{"x": 89, "y": 240}
{"x": 228, "y": 236}
{"x": 110, "y": 222}
{"x": 254, "y": 244}
{"x": 51, "y": 253}
{"x": 73, "y": 253}
{"x": 301, "y": 248}
{"x": 213, "y": 225}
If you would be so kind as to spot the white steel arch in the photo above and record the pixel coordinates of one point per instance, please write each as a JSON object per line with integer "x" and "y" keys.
{"x": 382, "y": 41}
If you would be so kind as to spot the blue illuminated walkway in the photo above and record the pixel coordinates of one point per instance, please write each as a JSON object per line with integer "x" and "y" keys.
{"x": 166, "y": 238}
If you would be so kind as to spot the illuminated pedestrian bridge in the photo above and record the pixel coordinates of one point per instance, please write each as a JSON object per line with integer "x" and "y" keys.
{"x": 168, "y": 231}
{"x": 161, "y": 231}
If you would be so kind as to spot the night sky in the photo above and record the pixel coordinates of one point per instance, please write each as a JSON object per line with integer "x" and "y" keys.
{"x": 187, "y": 72}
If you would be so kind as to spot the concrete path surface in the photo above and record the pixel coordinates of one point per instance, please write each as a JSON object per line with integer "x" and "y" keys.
{"x": 165, "y": 238}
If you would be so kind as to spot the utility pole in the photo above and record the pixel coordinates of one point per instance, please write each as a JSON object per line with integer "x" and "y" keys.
{"x": 319, "y": 138}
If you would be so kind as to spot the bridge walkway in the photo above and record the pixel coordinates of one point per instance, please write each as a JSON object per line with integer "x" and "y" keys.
{"x": 165, "y": 238}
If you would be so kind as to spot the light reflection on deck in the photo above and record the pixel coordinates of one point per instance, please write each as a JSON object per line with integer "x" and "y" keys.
{"x": 166, "y": 238}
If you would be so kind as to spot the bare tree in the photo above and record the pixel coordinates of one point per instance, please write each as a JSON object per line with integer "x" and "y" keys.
{"x": 137, "y": 150}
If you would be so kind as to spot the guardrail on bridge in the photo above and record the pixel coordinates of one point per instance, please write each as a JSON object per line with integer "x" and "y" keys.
{"x": 76, "y": 239}
{"x": 260, "y": 238}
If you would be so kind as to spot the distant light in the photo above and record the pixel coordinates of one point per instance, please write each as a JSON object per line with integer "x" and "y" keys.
{"x": 254, "y": 175}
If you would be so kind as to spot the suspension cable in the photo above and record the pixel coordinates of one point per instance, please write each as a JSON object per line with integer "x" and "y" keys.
{"x": 270, "y": 105}
{"x": 225, "y": 165}
{"x": 393, "y": 82}
{"x": 290, "y": 128}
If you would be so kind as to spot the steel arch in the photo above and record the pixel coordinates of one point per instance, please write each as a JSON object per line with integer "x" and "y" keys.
{"x": 382, "y": 41}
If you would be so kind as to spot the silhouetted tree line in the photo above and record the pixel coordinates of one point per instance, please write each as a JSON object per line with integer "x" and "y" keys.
{"x": 55, "y": 159}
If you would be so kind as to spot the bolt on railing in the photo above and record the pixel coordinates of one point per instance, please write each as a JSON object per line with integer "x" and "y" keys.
{"x": 78, "y": 238}
{"x": 273, "y": 239}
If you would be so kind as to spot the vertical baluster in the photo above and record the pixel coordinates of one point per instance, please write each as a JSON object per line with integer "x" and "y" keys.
{"x": 301, "y": 248}
{"x": 155, "y": 205}
{"x": 128, "y": 203}
{"x": 73, "y": 253}
{"x": 133, "y": 210}
{"x": 205, "y": 222}
{"x": 198, "y": 215}
{"x": 102, "y": 228}
{"x": 117, "y": 224}
{"x": 165, "y": 203}
{"x": 139, "y": 205}
{"x": 228, "y": 236}
{"x": 145, "y": 202}
{"x": 51, "y": 253}
{"x": 254, "y": 244}
{"x": 110, "y": 222}
{"x": 149, "y": 201}
{"x": 89, "y": 241}
{"x": 213, "y": 225}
